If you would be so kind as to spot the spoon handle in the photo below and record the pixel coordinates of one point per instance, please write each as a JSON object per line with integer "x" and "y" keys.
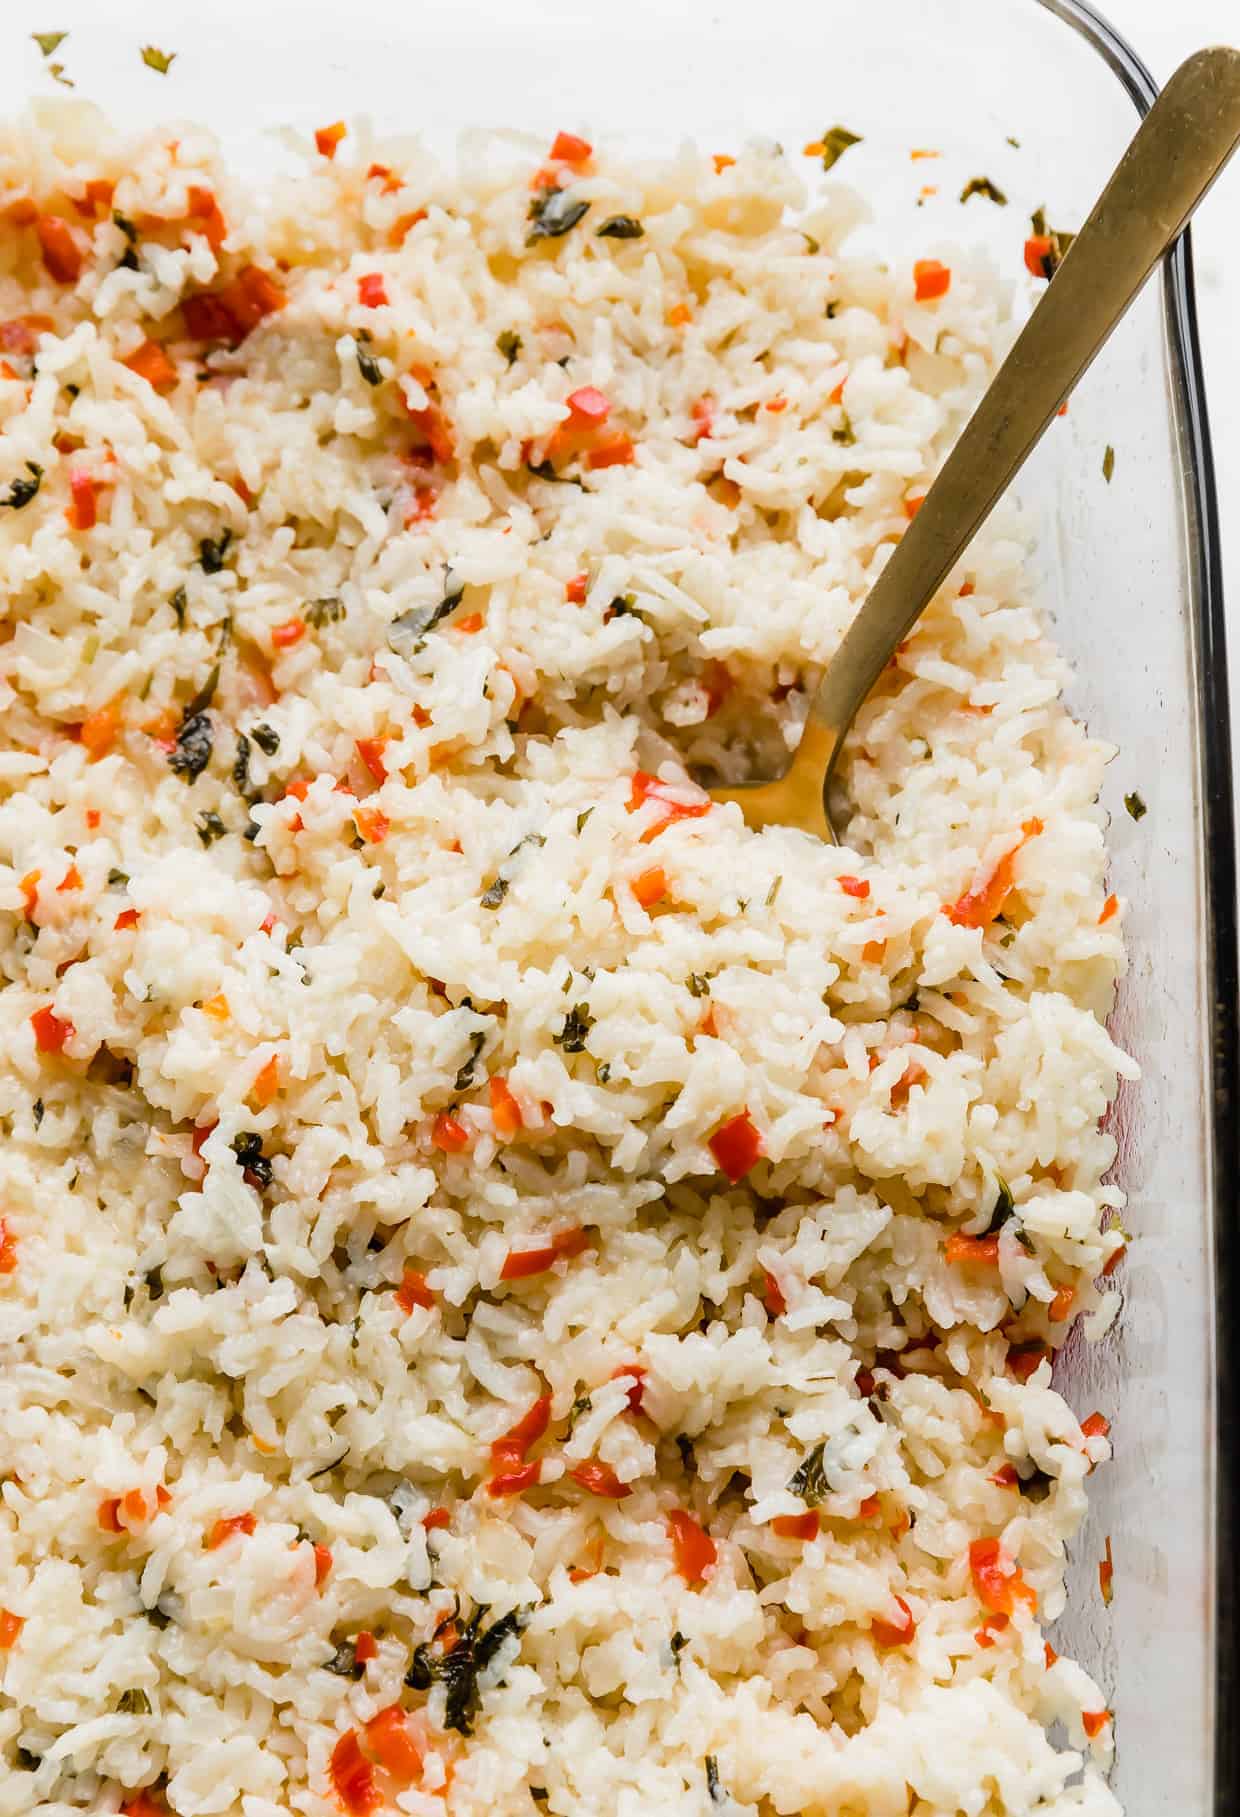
{"x": 1184, "y": 141}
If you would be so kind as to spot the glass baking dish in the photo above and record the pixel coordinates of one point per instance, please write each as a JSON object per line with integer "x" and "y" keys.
{"x": 1039, "y": 96}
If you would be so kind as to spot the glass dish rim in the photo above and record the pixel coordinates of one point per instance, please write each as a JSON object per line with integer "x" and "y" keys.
{"x": 1211, "y": 700}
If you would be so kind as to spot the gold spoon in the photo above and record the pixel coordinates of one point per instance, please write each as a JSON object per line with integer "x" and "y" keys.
{"x": 1179, "y": 148}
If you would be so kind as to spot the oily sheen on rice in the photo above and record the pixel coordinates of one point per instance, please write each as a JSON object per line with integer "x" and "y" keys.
{"x": 297, "y": 858}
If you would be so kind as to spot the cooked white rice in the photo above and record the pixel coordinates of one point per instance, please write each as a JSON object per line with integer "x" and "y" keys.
{"x": 329, "y": 977}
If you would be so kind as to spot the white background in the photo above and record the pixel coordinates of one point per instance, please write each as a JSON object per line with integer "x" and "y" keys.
{"x": 1163, "y": 34}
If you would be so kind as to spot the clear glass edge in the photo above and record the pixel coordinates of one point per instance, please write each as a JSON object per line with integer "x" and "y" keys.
{"x": 1222, "y": 982}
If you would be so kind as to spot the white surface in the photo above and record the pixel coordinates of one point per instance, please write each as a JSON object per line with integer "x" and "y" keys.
{"x": 1163, "y": 35}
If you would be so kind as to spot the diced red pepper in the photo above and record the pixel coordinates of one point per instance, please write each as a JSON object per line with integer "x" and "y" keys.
{"x": 400, "y": 229}
{"x": 1095, "y": 1721}
{"x": 143, "y": 1805}
{"x": 976, "y": 1251}
{"x": 449, "y": 1134}
{"x": 435, "y": 1518}
{"x": 1023, "y": 1359}
{"x": 913, "y": 505}
{"x": 1106, "y": 1573}
{"x": 352, "y": 1776}
{"x": 997, "y": 1579}
{"x": 722, "y": 161}
{"x": 327, "y": 138}
{"x": 289, "y": 633}
{"x": 520, "y": 1263}
{"x": 773, "y": 1295}
{"x": 567, "y": 148}
{"x": 1061, "y": 1305}
{"x": 702, "y": 410}
{"x": 21, "y": 335}
{"x": 1096, "y": 1426}
{"x": 649, "y": 788}
{"x": 10, "y": 1628}
{"x": 82, "y": 512}
{"x": 650, "y": 887}
{"x": 796, "y": 1526}
{"x": 372, "y": 290}
{"x": 365, "y": 1648}
{"x": 737, "y": 1146}
{"x": 616, "y": 451}
{"x": 692, "y": 1547}
{"x": 896, "y": 1633}
{"x": 199, "y": 1137}
{"x": 986, "y": 895}
{"x": 98, "y": 730}
{"x": 637, "y": 1388}
{"x": 373, "y": 826}
{"x": 107, "y": 1514}
{"x": 1005, "y": 1477}
{"x": 390, "y": 1740}
{"x": 505, "y": 1111}
{"x": 413, "y": 1291}
{"x": 225, "y": 1529}
{"x": 516, "y": 1442}
{"x": 207, "y": 216}
{"x": 589, "y": 405}
{"x": 600, "y": 1479}
{"x": 1038, "y": 251}
{"x": 151, "y": 363}
{"x": 515, "y": 1481}
{"x": 322, "y": 1565}
{"x": 1110, "y": 908}
{"x": 50, "y": 1030}
{"x": 208, "y": 318}
{"x": 252, "y": 296}
{"x": 930, "y": 280}
{"x": 266, "y": 1082}
{"x": 371, "y": 750}
{"x": 857, "y": 887}
{"x": 575, "y": 590}
{"x": 8, "y": 1248}
{"x": 62, "y": 254}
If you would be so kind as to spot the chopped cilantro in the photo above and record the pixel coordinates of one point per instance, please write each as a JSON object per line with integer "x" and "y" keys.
{"x": 982, "y": 186}
{"x": 1135, "y": 805}
{"x": 835, "y": 142}
{"x": 22, "y": 491}
{"x": 1108, "y": 463}
{"x": 49, "y": 41}
{"x": 160, "y": 61}
{"x": 552, "y": 213}
{"x": 620, "y": 227}
{"x": 509, "y": 344}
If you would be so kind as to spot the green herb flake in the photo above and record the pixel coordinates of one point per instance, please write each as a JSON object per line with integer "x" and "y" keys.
{"x": 409, "y": 632}
{"x": 553, "y": 212}
{"x": 57, "y": 72}
{"x": 1135, "y": 804}
{"x": 1014, "y": 143}
{"x": 713, "y": 1787}
{"x": 772, "y": 893}
{"x": 266, "y": 738}
{"x": 577, "y": 1025}
{"x": 367, "y": 364}
{"x": 698, "y": 984}
{"x": 465, "y": 1077}
{"x": 49, "y": 41}
{"x": 809, "y": 1480}
{"x": 1004, "y": 1209}
{"x": 344, "y": 1662}
{"x": 178, "y": 602}
{"x": 458, "y": 1669}
{"x": 844, "y": 434}
{"x": 134, "y": 1703}
{"x": 212, "y": 551}
{"x": 835, "y": 142}
{"x": 160, "y": 61}
{"x": 509, "y": 344}
{"x": 327, "y": 611}
{"x": 621, "y": 227}
{"x": 192, "y": 753}
{"x": 22, "y": 491}
{"x": 1108, "y": 463}
{"x": 1059, "y": 238}
{"x": 209, "y": 827}
{"x": 811, "y": 244}
{"x": 583, "y": 817}
{"x": 982, "y": 186}
{"x": 117, "y": 879}
{"x": 495, "y": 893}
